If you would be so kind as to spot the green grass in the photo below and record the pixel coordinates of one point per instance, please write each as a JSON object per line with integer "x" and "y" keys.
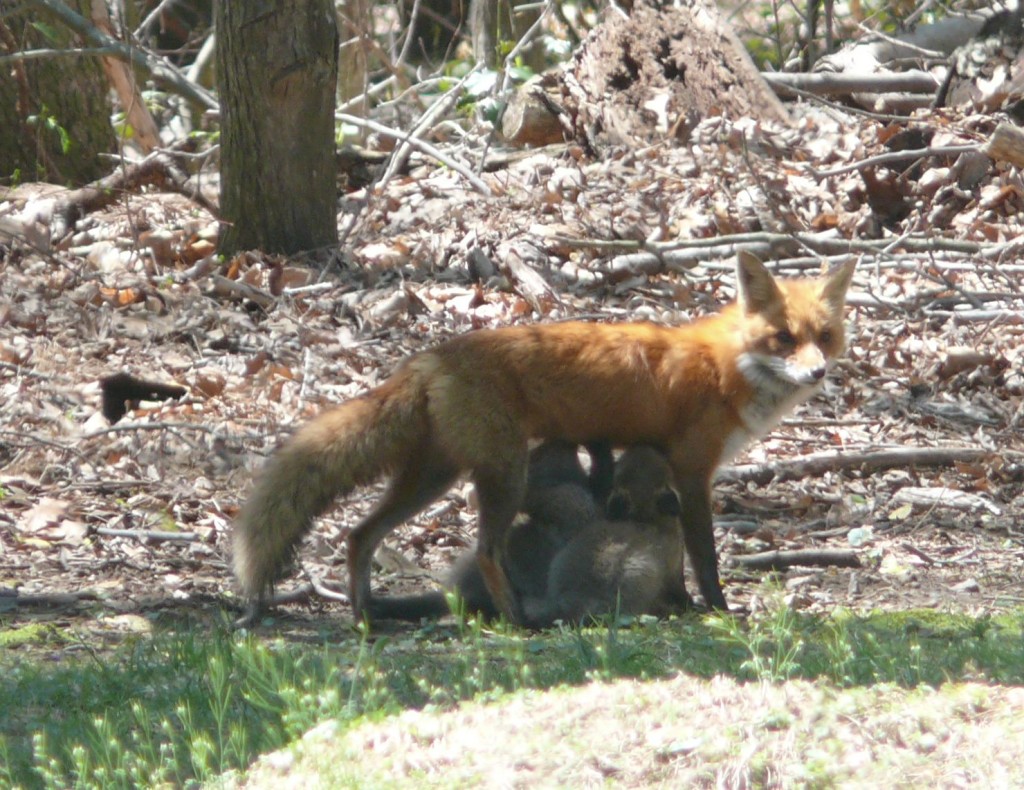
{"x": 185, "y": 706}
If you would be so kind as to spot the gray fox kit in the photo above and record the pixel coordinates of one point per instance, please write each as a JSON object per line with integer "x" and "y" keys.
{"x": 561, "y": 500}
{"x": 631, "y": 563}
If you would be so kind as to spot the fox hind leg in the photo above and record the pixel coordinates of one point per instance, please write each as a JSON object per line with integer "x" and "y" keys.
{"x": 500, "y": 491}
{"x": 425, "y": 477}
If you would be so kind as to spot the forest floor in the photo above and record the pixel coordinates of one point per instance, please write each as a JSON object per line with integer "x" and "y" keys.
{"x": 109, "y": 527}
{"x": 934, "y": 360}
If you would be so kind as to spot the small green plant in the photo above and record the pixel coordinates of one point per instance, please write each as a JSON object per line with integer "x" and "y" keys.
{"x": 772, "y": 643}
{"x": 49, "y": 32}
{"x": 45, "y": 122}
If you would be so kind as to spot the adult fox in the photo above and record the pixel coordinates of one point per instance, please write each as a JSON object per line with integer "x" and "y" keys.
{"x": 700, "y": 392}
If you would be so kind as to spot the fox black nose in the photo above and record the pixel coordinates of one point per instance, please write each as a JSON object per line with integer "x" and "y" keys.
{"x": 817, "y": 374}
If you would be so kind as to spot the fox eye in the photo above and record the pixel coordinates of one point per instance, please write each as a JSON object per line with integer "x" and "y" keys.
{"x": 825, "y": 337}
{"x": 785, "y": 338}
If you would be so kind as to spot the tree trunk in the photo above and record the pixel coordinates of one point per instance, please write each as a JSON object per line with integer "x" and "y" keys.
{"x": 495, "y": 25}
{"x": 54, "y": 112}
{"x": 277, "y": 67}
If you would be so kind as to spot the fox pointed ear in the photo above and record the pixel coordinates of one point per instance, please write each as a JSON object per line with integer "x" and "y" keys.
{"x": 756, "y": 290}
{"x": 836, "y": 283}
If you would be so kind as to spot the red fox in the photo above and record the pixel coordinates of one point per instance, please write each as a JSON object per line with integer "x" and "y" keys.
{"x": 698, "y": 392}
{"x": 630, "y": 564}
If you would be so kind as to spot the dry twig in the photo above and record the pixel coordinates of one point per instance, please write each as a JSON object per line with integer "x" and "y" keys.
{"x": 817, "y": 464}
{"x": 421, "y": 146}
{"x": 146, "y": 534}
{"x": 781, "y": 560}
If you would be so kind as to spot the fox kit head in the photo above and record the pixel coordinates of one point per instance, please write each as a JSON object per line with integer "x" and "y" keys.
{"x": 642, "y": 489}
{"x": 793, "y": 328}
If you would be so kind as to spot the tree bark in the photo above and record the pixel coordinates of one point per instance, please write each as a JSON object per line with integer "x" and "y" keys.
{"x": 277, "y": 67}
{"x": 658, "y": 72}
{"x": 54, "y": 113}
{"x": 495, "y": 23}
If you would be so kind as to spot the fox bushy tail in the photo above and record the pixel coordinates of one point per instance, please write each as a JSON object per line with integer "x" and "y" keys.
{"x": 351, "y": 445}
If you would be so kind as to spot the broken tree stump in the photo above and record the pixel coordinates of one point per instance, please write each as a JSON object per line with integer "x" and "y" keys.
{"x": 654, "y": 73}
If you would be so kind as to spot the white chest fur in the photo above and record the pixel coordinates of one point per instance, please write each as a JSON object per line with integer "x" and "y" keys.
{"x": 775, "y": 391}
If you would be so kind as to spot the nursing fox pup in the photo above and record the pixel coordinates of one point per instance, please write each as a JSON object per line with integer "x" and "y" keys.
{"x": 561, "y": 501}
{"x": 699, "y": 392}
{"x": 631, "y": 562}
{"x": 571, "y": 559}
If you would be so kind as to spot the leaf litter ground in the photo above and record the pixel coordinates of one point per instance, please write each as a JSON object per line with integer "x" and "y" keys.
{"x": 934, "y": 361}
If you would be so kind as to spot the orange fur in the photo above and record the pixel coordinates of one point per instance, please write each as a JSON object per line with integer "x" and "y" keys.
{"x": 699, "y": 392}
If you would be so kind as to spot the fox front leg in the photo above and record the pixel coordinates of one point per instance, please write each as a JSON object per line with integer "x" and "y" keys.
{"x": 699, "y": 537}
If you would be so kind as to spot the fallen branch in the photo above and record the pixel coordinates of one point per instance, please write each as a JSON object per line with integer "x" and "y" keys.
{"x": 982, "y": 316}
{"x": 304, "y": 592}
{"x": 825, "y": 534}
{"x": 943, "y": 496}
{"x": 519, "y": 260}
{"x": 225, "y": 286}
{"x": 817, "y": 464}
{"x": 146, "y": 534}
{"x": 831, "y": 243}
{"x": 658, "y": 257}
{"x": 898, "y": 158}
{"x": 324, "y": 591}
{"x": 24, "y": 439}
{"x": 158, "y": 167}
{"x": 106, "y": 486}
{"x": 826, "y": 241}
{"x": 781, "y": 560}
{"x": 912, "y": 549}
{"x": 45, "y": 599}
{"x": 1005, "y": 145}
{"x": 153, "y": 426}
{"x": 830, "y": 84}
{"x": 937, "y": 39}
{"x": 300, "y": 594}
{"x": 22, "y": 370}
